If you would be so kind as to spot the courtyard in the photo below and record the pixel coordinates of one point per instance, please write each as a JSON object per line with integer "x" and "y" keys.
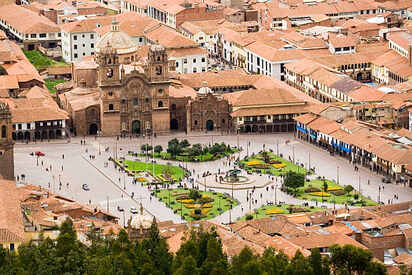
{"x": 70, "y": 165}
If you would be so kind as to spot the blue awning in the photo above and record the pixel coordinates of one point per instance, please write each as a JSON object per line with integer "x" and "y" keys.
{"x": 348, "y": 150}
{"x": 314, "y": 136}
{"x": 301, "y": 129}
{"x": 334, "y": 144}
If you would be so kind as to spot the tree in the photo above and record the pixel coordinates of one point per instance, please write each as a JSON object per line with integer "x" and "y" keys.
{"x": 158, "y": 149}
{"x": 350, "y": 259}
{"x": 174, "y": 148}
{"x": 188, "y": 267}
{"x": 146, "y": 148}
{"x": 325, "y": 186}
{"x": 194, "y": 195}
{"x": 184, "y": 143}
{"x": 319, "y": 266}
{"x": 294, "y": 180}
{"x": 265, "y": 156}
{"x": 348, "y": 188}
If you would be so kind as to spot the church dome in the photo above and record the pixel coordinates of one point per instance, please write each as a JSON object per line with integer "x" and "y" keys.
{"x": 141, "y": 220}
{"x": 121, "y": 42}
{"x": 204, "y": 90}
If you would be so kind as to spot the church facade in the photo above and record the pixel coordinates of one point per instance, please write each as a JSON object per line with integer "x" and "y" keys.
{"x": 6, "y": 144}
{"x": 113, "y": 95}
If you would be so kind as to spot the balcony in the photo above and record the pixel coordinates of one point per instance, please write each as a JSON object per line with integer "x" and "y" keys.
{"x": 260, "y": 121}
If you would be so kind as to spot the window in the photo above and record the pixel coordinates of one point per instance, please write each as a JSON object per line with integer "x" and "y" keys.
{"x": 12, "y": 247}
{"x": 123, "y": 101}
{"x": 194, "y": 60}
{"x": 223, "y": 121}
{"x": 141, "y": 39}
{"x": 75, "y": 46}
{"x": 91, "y": 36}
{"x": 84, "y": 45}
{"x": 92, "y": 45}
{"x": 74, "y": 37}
{"x": 203, "y": 59}
{"x": 75, "y": 55}
{"x": 203, "y": 69}
{"x": 135, "y": 101}
{"x": 159, "y": 70}
{"x": 84, "y": 54}
{"x": 59, "y": 34}
{"x": 185, "y": 61}
{"x": 160, "y": 104}
{"x": 33, "y": 35}
{"x": 42, "y": 35}
{"x": 173, "y": 106}
{"x": 28, "y": 126}
{"x": 160, "y": 91}
{"x": 19, "y": 126}
{"x": 194, "y": 70}
{"x": 82, "y": 35}
{"x": 110, "y": 107}
{"x": 3, "y": 131}
{"x": 146, "y": 100}
{"x": 177, "y": 64}
{"x": 195, "y": 122}
{"x": 110, "y": 93}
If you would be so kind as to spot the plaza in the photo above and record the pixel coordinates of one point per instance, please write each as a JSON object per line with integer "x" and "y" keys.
{"x": 74, "y": 164}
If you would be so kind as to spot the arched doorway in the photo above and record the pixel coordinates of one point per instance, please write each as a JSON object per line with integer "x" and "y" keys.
{"x": 26, "y": 135}
{"x": 14, "y": 136}
{"x": 93, "y": 129}
{"x": 37, "y": 135}
{"x": 248, "y": 129}
{"x": 209, "y": 125}
{"x": 174, "y": 124}
{"x": 254, "y": 128}
{"x": 20, "y": 136}
{"x": 52, "y": 134}
{"x": 136, "y": 127}
{"x": 58, "y": 133}
{"x": 44, "y": 135}
{"x": 359, "y": 76}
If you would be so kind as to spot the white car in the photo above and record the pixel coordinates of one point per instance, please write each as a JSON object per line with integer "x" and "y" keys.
{"x": 133, "y": 210}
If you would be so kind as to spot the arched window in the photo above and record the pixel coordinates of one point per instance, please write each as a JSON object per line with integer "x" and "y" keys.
{"x": 173, "y": 106}
{"x": 223, "y": 121}
{"x": 195, "y": 122}
{"x": 3, "y": 131}
{"x": 160, "y": 104}
{"x": 160, "y": 91}
{"x": 158, "y": 58}
{"x": 111, "y": 107}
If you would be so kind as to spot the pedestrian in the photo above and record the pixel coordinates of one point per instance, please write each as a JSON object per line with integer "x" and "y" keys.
{"x": 63, "y": 156}
{"x": 62, "y": 167}
{"x": 242, "y": 209}
{"x": 41, "y": 163}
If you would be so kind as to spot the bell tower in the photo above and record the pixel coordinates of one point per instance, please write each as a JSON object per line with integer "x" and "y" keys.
{"x": 157, "y": 68}
{"x": 6, "y": 143}
{"x": 109, "y": 66}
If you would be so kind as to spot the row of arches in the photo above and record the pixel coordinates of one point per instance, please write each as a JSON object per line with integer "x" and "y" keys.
{"x": 38, "y": 135}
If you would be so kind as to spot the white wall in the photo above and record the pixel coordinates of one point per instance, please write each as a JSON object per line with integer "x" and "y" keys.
{"x": 190, "y": 66}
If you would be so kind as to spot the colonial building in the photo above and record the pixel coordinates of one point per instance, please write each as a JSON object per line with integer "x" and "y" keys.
{"x": 6, "y": 144}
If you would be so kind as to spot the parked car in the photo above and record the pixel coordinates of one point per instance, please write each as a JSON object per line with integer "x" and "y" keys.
{"x": 85, "y": 187}
{"x": 133, "y": 210}
{"x": 120, "y": 209}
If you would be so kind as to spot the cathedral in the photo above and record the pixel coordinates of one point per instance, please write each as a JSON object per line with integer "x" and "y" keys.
{"x": 119, "y": 91}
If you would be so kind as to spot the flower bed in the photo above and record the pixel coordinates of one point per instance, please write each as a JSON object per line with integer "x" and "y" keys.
{"x": 274, "y": 211}
{"x": 312, "y": 189}
{"x": 335, "y": 188}
{"x": 141, "y": 179}
{"x": 320, "y": 194}
{"x": 279, "y": 165}
{"x": 253, "y": 162}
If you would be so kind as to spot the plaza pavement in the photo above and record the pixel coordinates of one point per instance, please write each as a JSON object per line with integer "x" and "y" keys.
{"x": 78, "y": 168}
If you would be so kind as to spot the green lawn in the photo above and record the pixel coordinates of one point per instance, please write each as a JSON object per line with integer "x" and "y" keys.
{"x": 51, "y": 83}
{"x": 40, "y": 61}
{"x": 221, "y": 203}
{"x": 276, "y": 172}
{"x": 342, "y": 199}
{"x": 264, "y": 211}
{"x": 176, "y": 172}
{"x": 199, "y": 158}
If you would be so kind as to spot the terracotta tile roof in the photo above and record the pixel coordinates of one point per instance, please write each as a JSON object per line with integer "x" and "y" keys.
{"x": 35, "y": 92}
{"x": 274, "y": 55}
{"x": 267, "y": 97}
{"x": 11, "y": 219}
{"x": 299, "y": 219}
{"x": 8, "y": 82}
{"x": 301, "y": 41}
{"x": 366, "y": 93}
{"x": 181, "y": 52}
{"x": 169, "y": 38}
{"x": 324, "y": 240}
{"x": 131, "y": 23}
{"x": 340, "y": 40}
{"x": 35, "y": 109}
{"x": 286, "y": 246}
{"x": 404, "y": 259}
{"x": 7, "y": 236}
{"x": 87, "y": 25}
{"x": 179, "y": 91}
{"x": 59, "y": 70}
{"x": 27, "y": 21}
{"x": 339, "y": 227}
{"x": 306, "y": 118}
{"x": 395, "y": 63}
{"x": 214, "y": 79}
{"x": 324, "y": 125}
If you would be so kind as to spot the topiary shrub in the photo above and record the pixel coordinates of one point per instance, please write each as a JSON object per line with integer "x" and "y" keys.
{"x": 338, "y": 192}
{"x": 312, "y": 189}
{"x": 249, "y": 217}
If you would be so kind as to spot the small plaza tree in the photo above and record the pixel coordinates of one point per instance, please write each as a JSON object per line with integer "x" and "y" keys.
{"x": 294, "y": 180}
{"x": 348, "y": 188}
{"x": 158, "y": 149}
{"x": 174, "y": 148}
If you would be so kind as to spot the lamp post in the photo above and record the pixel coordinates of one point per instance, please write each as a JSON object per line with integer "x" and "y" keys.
{"x": 277, "y": 147}
{"x": 337, "y": 174}
{"x": 379, "y": 195}
{"x": 293, "y": 151}
{"x": 276, "y": 188}
{"x": 309, "y": 163}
